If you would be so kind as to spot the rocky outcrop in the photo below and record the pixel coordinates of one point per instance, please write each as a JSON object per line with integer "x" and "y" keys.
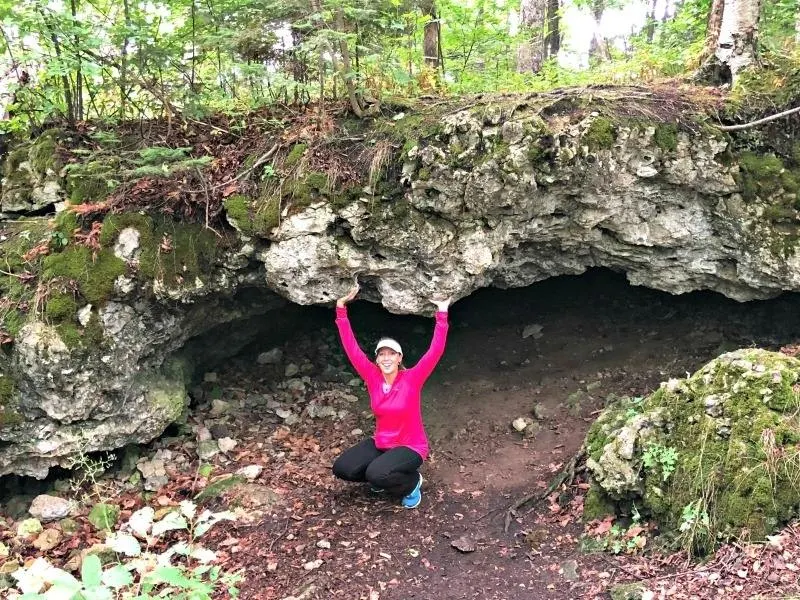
{"x": 502, "y": 194}
{"x": 711, "y": 457}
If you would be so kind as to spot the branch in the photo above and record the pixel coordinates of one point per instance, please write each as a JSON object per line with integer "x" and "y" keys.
{"x": 785, "y": 113}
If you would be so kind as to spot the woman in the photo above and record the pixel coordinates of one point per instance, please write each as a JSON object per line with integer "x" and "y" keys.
{"x": 390, "y": 460}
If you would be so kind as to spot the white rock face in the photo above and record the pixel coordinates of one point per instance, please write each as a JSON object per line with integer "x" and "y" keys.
{"x": 127, "y": 246}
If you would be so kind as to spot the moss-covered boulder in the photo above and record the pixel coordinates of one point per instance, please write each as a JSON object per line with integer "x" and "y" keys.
{"x": 712, "y": 457}
{"x": 31, "y": 178}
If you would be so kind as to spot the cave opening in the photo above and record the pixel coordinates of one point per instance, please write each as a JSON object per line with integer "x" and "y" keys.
{"x": 554, "y": 351}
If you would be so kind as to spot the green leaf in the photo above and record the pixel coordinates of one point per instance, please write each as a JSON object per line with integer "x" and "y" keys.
{"x": 117, "y": 577}
{"x": 91, "y": 571}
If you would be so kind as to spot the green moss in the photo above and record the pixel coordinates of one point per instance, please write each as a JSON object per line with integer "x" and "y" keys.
{"x": 9, "y": 415}
{"x": 94, "y": 275}
{"x": 43, "y": 154}
{"x": 295, "y": 155}
{"x": 738, "y": 479}
{"x": 309, "y": 188}
{"x": 666, "y": 137}
{"x": 92, "y": 180}
{"x": 760, "y": 175}
{"x": 61, "y": 307}
{"x": 66, "y": 222}
{"x": 601, "y": 134}
{"x": 248, "y": 218}
{"x": 71, "y": 334}
{"x": 424, "y": 174}
{"x": 596, "y": 505}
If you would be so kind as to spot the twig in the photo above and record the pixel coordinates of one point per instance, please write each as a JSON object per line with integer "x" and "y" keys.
{"x": 280, "y": 535}
{"x": 779, "y": 115}
{"x": 566, "y": 475}
{"x": 261, "y": 160}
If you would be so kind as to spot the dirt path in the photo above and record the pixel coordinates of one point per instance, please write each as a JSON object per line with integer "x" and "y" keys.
{"x": 598, "y": 337}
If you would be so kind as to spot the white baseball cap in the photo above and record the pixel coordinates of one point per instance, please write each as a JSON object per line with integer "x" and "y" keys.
{"x": 388, "y": 343}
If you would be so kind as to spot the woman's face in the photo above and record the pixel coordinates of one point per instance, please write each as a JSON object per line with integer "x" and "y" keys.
{"x": 388, "y": 360}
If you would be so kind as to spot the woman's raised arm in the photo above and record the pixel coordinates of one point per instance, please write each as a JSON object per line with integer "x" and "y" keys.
{"x": 427, "y": 363}
{"x": 355, "y": 354}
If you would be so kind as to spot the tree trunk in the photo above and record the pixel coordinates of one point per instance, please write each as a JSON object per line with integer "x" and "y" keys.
{"x": 651, "y": 22}
{"x": 431, "y": 44}
{"x": 736, "y": 39}
{"x": 123, "y": 64}
{"x": 530, "y": 55}
{"x": 78, "y": 69}
{"x": 597, "y": 47}
{"x": 714, "y": 26}
{"x": 552, "y": 38}
{"x": 797, "y": 24}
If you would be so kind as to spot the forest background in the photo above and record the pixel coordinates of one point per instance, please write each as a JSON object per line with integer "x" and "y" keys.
{"x": 111, "y": 60}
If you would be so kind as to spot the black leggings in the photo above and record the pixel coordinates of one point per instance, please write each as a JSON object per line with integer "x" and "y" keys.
{"x": 392, "y": 470}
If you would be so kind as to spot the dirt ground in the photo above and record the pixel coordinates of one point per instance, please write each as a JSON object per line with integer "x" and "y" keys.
{"x": 599, "y": 336}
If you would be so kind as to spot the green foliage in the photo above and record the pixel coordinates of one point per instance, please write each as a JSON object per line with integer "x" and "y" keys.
{"x": 661, "y": 457}
{"x": 666, "y": 137}
{"x": 60, "y": 307}
{"x": 181, "y": 572}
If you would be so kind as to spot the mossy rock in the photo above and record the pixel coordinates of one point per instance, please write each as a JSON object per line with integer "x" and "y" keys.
{"x": 666, "y": 137}
{"x": 92, "y": 180}
{"x": 9, "y": 414}
{"x": 252, "y": 217}
{"x": 295, "y": 155}
{"x": 61, "y": 307}
{"x": 94, "y": 273}
{"x": 169, "y": 251}
{"x": 760, "y": 175}
{"x": 734, "y": 428}
{"x": 601, "y": 134}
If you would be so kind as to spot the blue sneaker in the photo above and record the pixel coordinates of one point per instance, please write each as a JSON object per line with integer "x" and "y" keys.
{"x": 415, "y": 497}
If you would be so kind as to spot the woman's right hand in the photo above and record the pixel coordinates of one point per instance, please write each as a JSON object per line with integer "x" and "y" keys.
{"x": 350, "y": 295}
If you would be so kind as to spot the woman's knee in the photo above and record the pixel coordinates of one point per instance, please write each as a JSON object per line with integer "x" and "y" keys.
{"x": 377, "y": 474}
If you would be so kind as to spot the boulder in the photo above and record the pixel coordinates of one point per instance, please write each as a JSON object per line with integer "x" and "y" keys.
{"x": 711, "y": 457}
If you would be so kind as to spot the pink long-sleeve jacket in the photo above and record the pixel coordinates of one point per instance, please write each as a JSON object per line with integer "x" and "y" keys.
{"x": 398, "y": 412}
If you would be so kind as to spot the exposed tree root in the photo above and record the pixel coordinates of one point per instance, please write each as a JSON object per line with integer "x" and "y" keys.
{"x": 564, "y": 477}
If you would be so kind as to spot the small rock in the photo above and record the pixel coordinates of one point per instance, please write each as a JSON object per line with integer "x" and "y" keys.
{"x": 68, "y": 526}
{"x": 250, "y": 472}
{"x": 291, "y": 370}
{"x": 227, "y": 444}
{"x": 85, "y": 315}
{"x": 520, "y": 423}
{"x": 29, "y": 527}
{"x": 291, "y": 419}
{"x": 50, "y": 508}
{"x": 47, "y": 540}
{"x": 203, "y": 434}
{"x": 104, "y": 516}
{"x": 296, "y": 385}
{"x": 207, "y": 449}
{"x": 540, "y": 411}
{"x": 357, "y": 432}
{"x": 569, "y": 569}
{"x": 219, "y": 431}
{"x": 283, "y": 413}
{"x": 464, "y": 544}
{"x": 271, "y": 357}
{"x": 313, "y": 564}
{"x": 219, "y": 407}
{"x": 4, "y": 552}
{"x": 210, "y": 378}
{"x": 324, "y": 544}
{"x": 534, "y": 330}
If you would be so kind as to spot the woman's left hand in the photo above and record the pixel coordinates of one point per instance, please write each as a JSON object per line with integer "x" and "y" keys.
{"x": 442, "y": 305}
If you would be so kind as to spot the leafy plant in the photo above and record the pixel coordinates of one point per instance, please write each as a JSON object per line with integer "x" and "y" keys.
{"x": 664, "y": 457}
{"x": 181, "y": 572}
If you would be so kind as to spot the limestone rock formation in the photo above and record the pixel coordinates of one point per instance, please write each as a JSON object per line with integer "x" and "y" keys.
{"x": 710, "y": 457}
{"x": 501, "y": 193}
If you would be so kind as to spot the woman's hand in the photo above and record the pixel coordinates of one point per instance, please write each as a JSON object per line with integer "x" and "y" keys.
{"x": 441, "y": 305}
{"x": 350, "y": 295}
